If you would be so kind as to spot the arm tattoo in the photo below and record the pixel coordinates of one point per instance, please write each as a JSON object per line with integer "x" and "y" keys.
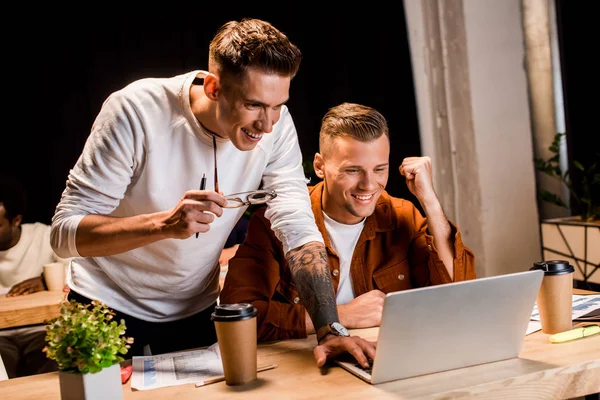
{"x": 310, "y": 269}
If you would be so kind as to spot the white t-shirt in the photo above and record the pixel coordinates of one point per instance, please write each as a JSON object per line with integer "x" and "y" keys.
{"x": 146, "y": 149}
{"x": 26, "y": 259}
{"x": 343, "y": 241}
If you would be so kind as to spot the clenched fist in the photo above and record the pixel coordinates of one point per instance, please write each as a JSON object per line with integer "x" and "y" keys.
{"x": 419, "y": 179}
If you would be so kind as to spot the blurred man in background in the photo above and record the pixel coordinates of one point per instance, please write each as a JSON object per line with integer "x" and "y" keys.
{"x": 24, "y": 250}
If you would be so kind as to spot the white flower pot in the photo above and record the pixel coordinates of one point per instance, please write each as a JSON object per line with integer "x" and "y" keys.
{"x": 102, "y": 385}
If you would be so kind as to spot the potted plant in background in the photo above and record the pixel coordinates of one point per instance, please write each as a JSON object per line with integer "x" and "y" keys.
{"x": 574, "y": 238}
{"x": 87, "y": 345}
{"x": 583, "y": 194}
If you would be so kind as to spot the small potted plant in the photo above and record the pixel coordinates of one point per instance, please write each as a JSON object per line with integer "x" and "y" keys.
{"x": 87, "y": 345}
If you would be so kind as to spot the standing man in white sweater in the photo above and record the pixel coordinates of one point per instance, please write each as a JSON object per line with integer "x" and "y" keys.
{"x": 131, "y": 208}
{"x": 24, "y": 249}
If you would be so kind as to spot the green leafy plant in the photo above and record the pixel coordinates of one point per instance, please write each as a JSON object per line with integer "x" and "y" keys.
{"x": 588, "y": 206}
{"x": 84, "y": 338}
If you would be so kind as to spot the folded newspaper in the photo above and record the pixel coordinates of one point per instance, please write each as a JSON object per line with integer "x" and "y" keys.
{"x": 193, "y": 366}
{"x": 586, "y": 307}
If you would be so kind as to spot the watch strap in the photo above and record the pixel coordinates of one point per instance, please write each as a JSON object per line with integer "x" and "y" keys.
{"x": 335, "y": 328}
{"x": 323, "y": 331}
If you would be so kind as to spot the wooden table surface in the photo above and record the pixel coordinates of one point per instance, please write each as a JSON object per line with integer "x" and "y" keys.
{"x": 542, "y": 371}
{"x": 30, "y": 309}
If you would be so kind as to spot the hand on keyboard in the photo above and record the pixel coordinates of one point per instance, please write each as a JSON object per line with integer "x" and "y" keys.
{"x": 366, "y": 369}
{"x": 333, "y": 346}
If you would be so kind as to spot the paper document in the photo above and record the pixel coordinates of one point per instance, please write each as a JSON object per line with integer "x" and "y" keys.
{"x": 152, "y": 372}
{"x": 585, "y": 307}
{"x": 533, "y": 326}
{"x": 582, "y": 305}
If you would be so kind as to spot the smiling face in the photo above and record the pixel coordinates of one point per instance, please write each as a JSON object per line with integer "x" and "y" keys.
{"x": 248, "y": 109}
{"x": 354, "y": 173}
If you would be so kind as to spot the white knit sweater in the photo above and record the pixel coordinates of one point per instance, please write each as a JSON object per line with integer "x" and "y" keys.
{"x": 146, "y": 149}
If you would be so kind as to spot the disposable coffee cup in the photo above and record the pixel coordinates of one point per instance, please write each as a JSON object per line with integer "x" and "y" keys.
{"x": 236, "y": 334}
{"x": 54, "y": 275}
{"x": 554, "y": 299}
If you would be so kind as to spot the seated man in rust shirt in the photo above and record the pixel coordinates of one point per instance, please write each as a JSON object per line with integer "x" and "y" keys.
{"x": 376, "y": 243}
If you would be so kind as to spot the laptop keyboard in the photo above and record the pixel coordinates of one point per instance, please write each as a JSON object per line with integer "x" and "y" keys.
{"x": 367, "y": 370}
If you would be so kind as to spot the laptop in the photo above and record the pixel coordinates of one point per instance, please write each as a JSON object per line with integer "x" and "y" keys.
{"x": 450, "y": 326}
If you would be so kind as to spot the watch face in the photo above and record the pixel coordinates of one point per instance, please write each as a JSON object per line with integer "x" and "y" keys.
{"x": 342, "y": 331}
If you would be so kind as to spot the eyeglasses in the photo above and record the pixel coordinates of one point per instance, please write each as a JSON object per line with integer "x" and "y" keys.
{"x": 236, "y": 200}
{"x": 241, "y": 199}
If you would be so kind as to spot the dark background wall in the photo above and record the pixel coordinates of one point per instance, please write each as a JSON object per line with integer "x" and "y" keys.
{"x": 59, "y": 66}
{"x": 63, "y": 69}
{"x": 579, "y": 39}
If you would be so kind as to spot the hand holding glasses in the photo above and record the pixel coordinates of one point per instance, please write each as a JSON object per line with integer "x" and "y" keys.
{"x": 236, "y": 200}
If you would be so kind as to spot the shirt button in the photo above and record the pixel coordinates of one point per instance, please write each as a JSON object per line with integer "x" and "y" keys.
{"x": 296, "y": 300}
{"x": 336, "y": 272}
{"x": 401, "y": 277}
{"x": 429, "y": 247}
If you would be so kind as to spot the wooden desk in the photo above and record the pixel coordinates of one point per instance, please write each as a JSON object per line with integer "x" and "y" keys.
{"x": 30, "y": 309}
{"x": 542, "y": 371}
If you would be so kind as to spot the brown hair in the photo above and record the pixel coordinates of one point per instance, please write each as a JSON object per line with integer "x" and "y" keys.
{"x": 238, "y": 46}
{"x": 363, "y": 123}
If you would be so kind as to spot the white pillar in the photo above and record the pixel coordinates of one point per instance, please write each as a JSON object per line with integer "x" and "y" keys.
{"x": 471, "y": 91}
{"x": 541, "y": 64}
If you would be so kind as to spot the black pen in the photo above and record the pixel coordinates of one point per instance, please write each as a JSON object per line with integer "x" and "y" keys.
{"x": 202, "y": 187}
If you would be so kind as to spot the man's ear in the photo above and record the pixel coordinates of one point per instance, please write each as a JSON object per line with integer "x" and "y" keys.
{"x": 211, "y": 86}
{"x": 16, "y": 221}
{"x": 319, "y": 164}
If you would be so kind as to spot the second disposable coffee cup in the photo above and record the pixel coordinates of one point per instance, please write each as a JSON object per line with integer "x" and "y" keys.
{"x": 554, "y": 299}
{"x": 236, "y": 334}
{"x": 54, "y": 276}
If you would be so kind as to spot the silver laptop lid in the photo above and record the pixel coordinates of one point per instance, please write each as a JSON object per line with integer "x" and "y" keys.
{"x": 454, "y": 325}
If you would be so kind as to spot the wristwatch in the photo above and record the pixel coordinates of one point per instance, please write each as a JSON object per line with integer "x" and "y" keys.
{"x": 334, "y": 328}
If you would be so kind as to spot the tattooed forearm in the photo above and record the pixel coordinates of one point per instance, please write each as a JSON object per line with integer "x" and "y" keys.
{"x": 310, "y": 271}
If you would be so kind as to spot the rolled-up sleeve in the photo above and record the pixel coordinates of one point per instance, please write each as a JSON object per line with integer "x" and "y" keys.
{"x": 426, "y": 264}
{"x": 100, "y": 176}
{"x": 290, "y": 212}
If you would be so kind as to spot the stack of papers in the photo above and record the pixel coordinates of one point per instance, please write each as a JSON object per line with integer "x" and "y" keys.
{"x": 152, "y": 372}
{"x": 585, "y": 308}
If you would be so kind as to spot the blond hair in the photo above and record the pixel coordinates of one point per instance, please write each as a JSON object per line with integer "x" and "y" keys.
{"x": 360, "y": 122}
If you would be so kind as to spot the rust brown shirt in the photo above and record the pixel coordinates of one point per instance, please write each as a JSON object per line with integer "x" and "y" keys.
{"x": 394, "y": 252}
